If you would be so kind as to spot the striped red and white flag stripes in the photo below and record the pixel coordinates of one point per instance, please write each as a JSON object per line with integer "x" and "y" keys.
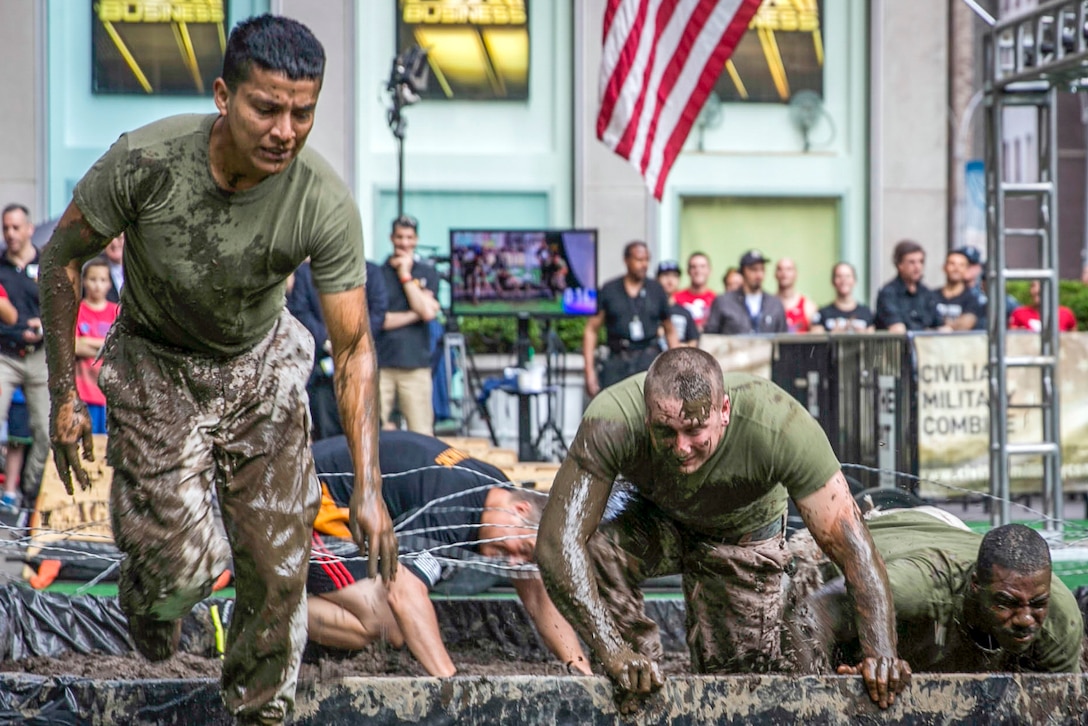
{"x": 661, "y": 59}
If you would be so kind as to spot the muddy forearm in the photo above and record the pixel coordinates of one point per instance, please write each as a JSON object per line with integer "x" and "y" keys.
{"x": 867, "y": 583}
{"x": 356, "y": 382}
{"x": 60, "y": 305}
{"x": 573, "y": 589}
{"x": 575, "y": 508}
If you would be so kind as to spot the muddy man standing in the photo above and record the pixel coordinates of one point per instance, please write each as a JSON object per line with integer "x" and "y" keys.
{"x": 205, "y": 372}
{"x": 711, "y": 460}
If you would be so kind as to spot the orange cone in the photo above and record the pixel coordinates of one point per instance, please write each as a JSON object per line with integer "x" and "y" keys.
{"x": 47, "y": 572}
{"x": 222, "y": 581}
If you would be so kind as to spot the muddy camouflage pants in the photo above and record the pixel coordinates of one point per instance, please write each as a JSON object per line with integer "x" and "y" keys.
{"x": 733, "y": 592}
{"x": 184, "y": 428}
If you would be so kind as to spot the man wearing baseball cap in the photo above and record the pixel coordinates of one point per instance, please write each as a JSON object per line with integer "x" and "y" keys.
{"x": 974, "y": 279}
{"x": 687, "y": 332}
{"x": 749, "y": 309}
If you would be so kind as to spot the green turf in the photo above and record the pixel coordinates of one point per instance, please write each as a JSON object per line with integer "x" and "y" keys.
{"x": 109, "y": 589}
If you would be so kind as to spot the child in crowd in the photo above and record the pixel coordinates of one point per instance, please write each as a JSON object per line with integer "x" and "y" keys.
{"x": 19, "y": 440}
{"x": 96, "y": 315}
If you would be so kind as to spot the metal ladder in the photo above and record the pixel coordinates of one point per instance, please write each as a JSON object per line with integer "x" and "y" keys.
{"x": 1027, "y": 58}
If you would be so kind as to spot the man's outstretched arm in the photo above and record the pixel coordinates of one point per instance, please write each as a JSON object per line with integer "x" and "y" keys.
{"x": 73, "y": 242}
{"x": 555, "y": 631}
{"x": 835, "y": 522}
{"x": 355, "y": 377}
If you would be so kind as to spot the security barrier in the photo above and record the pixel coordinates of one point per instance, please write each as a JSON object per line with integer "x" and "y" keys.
{"x": 917, "y": 404}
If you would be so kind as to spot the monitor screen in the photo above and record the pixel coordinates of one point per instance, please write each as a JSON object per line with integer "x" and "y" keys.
{"x": 524, "y": 272}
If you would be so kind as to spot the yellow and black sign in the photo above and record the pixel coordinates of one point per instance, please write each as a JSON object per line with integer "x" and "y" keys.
{"x": 158, "y": 46}
{"x": 477, "y": 49}
{"x": 781, "y": 53}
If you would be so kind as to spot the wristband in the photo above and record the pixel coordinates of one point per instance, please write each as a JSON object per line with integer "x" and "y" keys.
{"x": 405, "y": 280}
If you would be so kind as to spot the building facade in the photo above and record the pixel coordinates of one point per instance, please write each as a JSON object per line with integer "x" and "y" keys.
{"x": 875, "y": 157}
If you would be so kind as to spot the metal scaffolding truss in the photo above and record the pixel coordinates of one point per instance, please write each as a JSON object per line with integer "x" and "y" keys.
{"x": 1028, "y": 59}
{"x": 1048, "y": 43}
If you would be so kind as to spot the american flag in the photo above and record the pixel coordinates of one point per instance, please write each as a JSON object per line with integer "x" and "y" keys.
{"x": 660, "y": 61}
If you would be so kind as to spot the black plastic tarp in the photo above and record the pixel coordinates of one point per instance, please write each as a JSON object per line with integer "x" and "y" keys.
{"x": 35, "y": 623}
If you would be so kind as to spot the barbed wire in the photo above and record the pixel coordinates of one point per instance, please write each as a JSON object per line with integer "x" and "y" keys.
{"x": 50, "y": 542}
{"x": 1043, "y": 518}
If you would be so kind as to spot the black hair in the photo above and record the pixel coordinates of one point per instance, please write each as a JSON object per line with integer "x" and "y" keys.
{"x": 98, "y": 261}
{"x": 272, "y": 43}
{"x": 1013, "y": 547}
{"x": 687, "y": 374}
{"x": 904, "y": 248}
{"x": 405, "y": 221}
{"x": 15, "y": 207}
{"x": 629, "y": 248}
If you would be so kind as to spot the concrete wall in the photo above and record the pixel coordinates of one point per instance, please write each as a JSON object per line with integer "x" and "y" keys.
{"x": 909, "y": 133}
{"x": 946, "y": 699}
{"x": 333, "y": 22}
{"x": 608, "y": 193}
{"x": 22, "y": 46}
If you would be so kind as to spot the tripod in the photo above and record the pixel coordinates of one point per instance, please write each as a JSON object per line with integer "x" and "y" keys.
{"x": 555, "y": 373}
{"x": 457, "y": 356}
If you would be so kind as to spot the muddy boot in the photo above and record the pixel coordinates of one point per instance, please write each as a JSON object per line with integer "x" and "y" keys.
{"x": 156, "y": 640}
{"x": 269, "y": 715}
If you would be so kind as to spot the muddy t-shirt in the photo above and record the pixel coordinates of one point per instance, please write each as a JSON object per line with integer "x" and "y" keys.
{"x": 771, "y": 448}
{"x": 206, "y": 269}
{"x": 929, "y": 567}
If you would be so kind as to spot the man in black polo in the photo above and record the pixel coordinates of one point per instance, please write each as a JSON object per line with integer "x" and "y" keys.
{"x": 630, "y": 308}
{"x": 404, "y": 347}
{"x": 22, "y": 358}
{"x": 905, "y": 304}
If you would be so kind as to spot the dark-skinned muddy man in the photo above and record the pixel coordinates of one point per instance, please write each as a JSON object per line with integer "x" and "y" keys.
{"x": 710, "y": 460}
{"x": 205, "y": 374}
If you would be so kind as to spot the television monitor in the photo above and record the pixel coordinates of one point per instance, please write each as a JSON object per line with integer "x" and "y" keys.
{"x": 546, "y": 273}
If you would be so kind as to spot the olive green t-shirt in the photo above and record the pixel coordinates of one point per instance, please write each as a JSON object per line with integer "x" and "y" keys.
{"x": 206, "y": 269}
{"x": 929, "y": 566}
{"x": 771, "y": 448}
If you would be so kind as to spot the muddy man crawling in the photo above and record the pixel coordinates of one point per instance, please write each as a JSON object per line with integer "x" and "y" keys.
{"x": 711, "y": 460}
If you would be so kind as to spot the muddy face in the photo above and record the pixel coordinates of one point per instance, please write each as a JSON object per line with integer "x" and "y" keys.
{"x": 1013, "y": 607}
{"x": 687, "y": 432}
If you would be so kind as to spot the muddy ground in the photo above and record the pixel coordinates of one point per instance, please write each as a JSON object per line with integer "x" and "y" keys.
{"x": 374, "y": 661}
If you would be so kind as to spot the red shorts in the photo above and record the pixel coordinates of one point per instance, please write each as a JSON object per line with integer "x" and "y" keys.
{"x": 334, "y": 564}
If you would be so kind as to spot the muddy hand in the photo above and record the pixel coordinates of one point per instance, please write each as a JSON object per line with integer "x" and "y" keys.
{"x": 634, "y": 673}
{"x": 373, "y": 532}
{"x": 884, "y": 677}
{"x": 70, "y": 426}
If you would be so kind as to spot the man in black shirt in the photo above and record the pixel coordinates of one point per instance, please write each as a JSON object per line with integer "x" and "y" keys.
{"x": 905, "y": 304}
{"x": 845, "y": 314}
{"x": 404, "y": 348}
{"x": 687, "y": 332}
{"x": 22, "y": 357}
{"x": 447, "y": 508}
{"x": 630, "y": 308}
{"x": 957, "y": 305}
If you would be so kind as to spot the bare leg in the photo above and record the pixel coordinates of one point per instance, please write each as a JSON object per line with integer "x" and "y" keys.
{"x": 13, "y": 468}
{"x": 353, "y": 618}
